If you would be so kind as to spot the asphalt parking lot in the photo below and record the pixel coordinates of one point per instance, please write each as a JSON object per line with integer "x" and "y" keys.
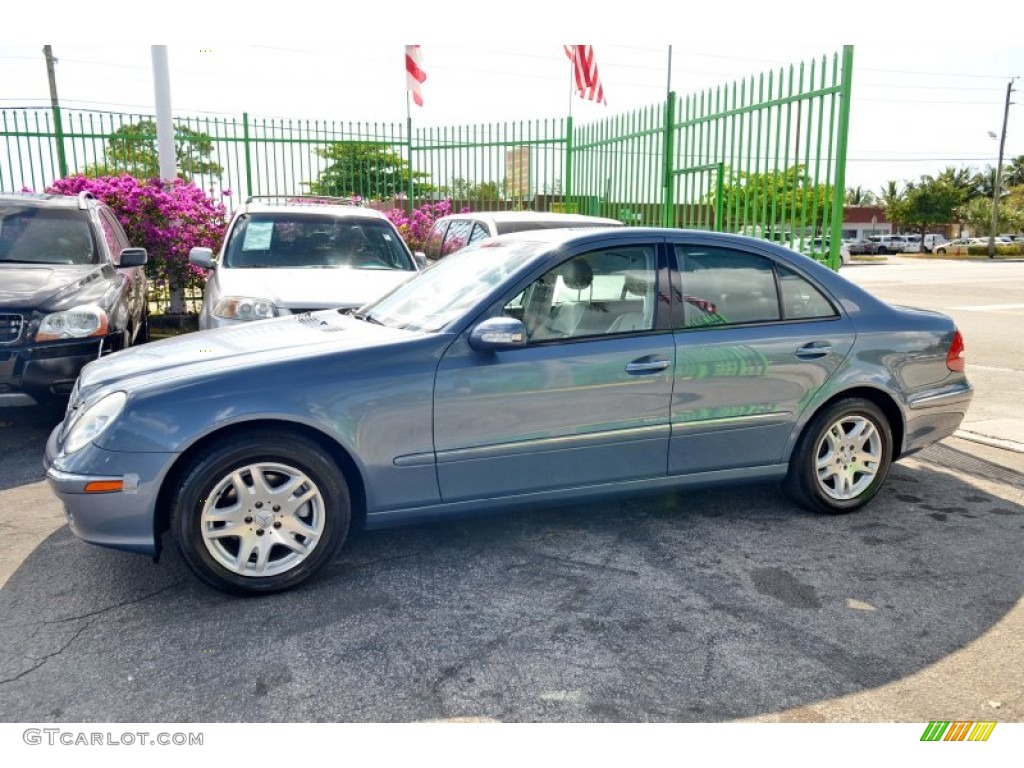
{"x": 704, "y": 606}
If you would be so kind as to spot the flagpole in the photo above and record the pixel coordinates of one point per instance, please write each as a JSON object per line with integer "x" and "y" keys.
{"x": 408, "y": 144}
{"x": 572, "y": 73}
{"x": 668, "y": 87}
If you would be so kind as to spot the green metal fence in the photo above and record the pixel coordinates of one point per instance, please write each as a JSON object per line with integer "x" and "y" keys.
{"x": 764, "y": 156}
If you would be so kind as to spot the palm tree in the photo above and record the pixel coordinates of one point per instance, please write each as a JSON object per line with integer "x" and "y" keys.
{"x": 891, "y": 192}
{"x": 1013, "y": 173}
{"x": 960, "y": 179}
{"x": 860, "y": 196}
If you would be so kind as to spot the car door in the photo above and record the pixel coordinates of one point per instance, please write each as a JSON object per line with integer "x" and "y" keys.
{"x": 755, "y": 341}
{"x": 584, "y": 402}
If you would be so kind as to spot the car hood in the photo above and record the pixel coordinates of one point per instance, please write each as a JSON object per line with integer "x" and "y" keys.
{"x": 52, "y": 286}
{"x": 238, "y": 346}
{"x": 313, "y": 287}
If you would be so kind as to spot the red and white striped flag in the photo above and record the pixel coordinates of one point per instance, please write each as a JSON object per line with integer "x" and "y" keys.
{"x": 414, "y": 74}
{"x": 588, "y": 82}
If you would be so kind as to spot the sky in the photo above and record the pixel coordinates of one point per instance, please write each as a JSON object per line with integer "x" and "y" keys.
{"x": 925, "y": 95}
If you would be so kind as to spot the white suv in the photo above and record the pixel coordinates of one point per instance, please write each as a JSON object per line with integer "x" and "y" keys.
{"x": 889, "y": 243}
{"x": 300, "y": 254}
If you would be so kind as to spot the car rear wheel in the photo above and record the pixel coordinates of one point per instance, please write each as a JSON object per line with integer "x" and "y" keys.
{"x": 258, "y": 514}
{"x": 842, "y": 458}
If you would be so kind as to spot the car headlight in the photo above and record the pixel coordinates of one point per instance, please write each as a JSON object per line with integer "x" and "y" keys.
{"x": 244, "y": 308}
{"x": 93, "y": 421}
{"x": 77, "y": 323}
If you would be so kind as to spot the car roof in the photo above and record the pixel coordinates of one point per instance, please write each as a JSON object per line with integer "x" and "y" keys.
{"x": 315, "y": 209}
{"x": 502, "y": 217}
{"x": 45, "y": 199}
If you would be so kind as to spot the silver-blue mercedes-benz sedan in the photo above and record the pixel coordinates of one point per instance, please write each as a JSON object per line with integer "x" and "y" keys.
{"x": 540, "y": 367}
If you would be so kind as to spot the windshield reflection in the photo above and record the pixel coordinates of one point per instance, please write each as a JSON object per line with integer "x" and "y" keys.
{"x": 441, "y": 294}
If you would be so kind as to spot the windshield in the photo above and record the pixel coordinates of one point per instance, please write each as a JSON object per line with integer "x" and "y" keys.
{"x": 444, "y": 292}
{"x": 303, "y": 240}
{"x": 31, "y": 234}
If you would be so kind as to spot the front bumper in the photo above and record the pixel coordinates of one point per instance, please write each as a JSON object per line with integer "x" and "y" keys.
{"x": 40, "y": 373}
{"x": 120, "y": 519}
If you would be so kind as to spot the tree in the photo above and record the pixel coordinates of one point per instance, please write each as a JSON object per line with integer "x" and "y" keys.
{"x": 860, "y": 196}
{"x": 373, "y": 170}
{"x": 890, "y": 193}
{"x": 461, "y": 189}
{"x": 927, "y": 203}
{"x": 1013, "y": 173}
{"x": 132, "y": 149}
{"x": 778, "y": 200}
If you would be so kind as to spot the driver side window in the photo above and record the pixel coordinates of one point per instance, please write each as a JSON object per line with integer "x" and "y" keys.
{"x": 595, "y": 294}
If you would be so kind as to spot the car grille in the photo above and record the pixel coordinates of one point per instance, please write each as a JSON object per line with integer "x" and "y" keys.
{"x": 10, "y": 328}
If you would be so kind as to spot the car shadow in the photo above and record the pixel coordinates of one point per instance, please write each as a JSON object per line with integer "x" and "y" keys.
{"x": 698, "y": 606}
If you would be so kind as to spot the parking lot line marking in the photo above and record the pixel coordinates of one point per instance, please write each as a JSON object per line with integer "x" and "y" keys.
{"x": 988, "y": 307}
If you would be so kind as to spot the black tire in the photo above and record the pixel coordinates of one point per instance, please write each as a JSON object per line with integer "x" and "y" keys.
{"x": 208, "y": 488}
{"x": 883, "y": 249}
{"x": 940, "y": 250}
{"x": 828, "y": 438}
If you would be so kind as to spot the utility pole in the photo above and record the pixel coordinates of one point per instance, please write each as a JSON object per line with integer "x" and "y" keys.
{"x": 999, "y": 175}
{"x": 62, "y": 162}
{"x": 164, "y": 124}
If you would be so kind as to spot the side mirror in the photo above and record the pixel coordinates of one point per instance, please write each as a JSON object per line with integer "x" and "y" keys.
{"x": 420, "y": 258}
{"x": 132, "y": 257}
{"x": 498, "y": 333}
{"x": 201, "y": 257}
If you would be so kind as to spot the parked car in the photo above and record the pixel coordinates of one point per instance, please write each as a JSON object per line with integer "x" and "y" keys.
{"x": 955, "y": 247}
{"x": 458, "y": 230}
{"x": 297, "y": 255}
{"x": 542, "y": 367}
{"x": 71, "y": 290}
{"x": 888, "y": 243}
{"x": 861, "y": 246}
{"x": 933, "y": 241}
{"x": 819, "y": 248}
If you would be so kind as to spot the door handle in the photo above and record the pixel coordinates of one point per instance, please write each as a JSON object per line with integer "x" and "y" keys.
{"x": 648, "y": 365}
{"x": 813, "y": 350}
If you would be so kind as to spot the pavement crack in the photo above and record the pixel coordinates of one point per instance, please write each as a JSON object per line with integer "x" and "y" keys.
{"x": 41, "y": 661}
{"x": 98, "y": 611}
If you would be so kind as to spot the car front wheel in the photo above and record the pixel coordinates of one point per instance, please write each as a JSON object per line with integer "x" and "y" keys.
{"x": 940, "y": 250}
{"x": 842, "y": 458}
{"x": 258, "y": 514}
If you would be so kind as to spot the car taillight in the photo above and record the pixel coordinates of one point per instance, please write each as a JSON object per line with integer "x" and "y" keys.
{"x": 955, "y": 356}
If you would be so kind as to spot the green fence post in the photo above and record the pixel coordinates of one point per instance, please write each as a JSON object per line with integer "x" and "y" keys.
{"x": 668, "y": 213}
{"x": 248, "y": 157}
{"x": 839, "y": 192}
{"x": 567, "y": 185}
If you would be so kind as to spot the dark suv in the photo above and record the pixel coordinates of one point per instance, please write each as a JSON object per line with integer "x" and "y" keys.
{"x": 71, "y": 290}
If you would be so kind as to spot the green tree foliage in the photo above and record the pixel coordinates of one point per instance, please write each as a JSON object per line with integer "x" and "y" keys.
{"x": 978, "y": 213}
{"x": 1013, "y": 173}
{"x": 860, "y": 196}
{"x": 366, "y": 169}
{"x": 132, "y": 149}
{"x": 461, "y": 189}
{"x": 782, "y": 200}
{"x": 928, "y": 203}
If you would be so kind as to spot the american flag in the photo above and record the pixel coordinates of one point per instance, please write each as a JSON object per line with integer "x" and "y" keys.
{"x": 588, "y": 82}
{"x": 414, "y": 74}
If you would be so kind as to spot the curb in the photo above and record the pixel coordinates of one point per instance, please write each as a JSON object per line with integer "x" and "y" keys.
{"x": 994, "y": 442}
